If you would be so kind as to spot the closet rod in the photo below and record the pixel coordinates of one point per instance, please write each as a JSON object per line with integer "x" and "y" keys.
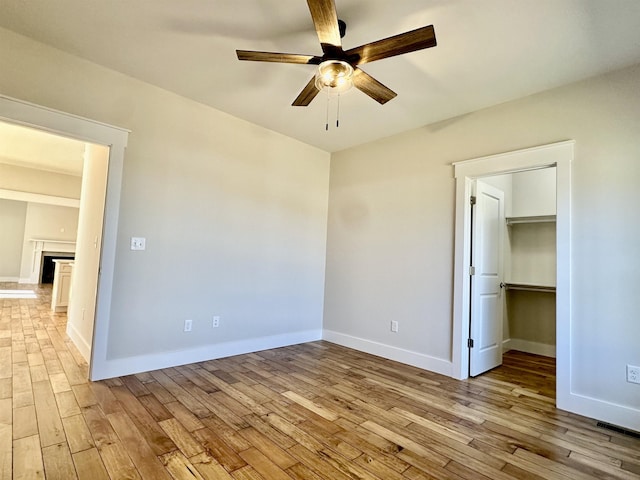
{"x": 533, "y": 219}
{"x": 531, "y": 288}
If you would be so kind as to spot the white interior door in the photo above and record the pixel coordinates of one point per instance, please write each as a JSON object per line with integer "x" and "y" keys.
{"x": 486, "y": 295}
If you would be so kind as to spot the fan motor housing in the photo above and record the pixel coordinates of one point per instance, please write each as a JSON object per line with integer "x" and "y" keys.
{"x": 342, "y": 26}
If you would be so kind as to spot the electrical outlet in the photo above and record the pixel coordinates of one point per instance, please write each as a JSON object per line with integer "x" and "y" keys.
{"x": 138, "y": 243}
{"x": 187, "y": 325}
{"x": 216, "y": 321}
{"x": 394, "y": 326}
{"x": 633, "y": 374}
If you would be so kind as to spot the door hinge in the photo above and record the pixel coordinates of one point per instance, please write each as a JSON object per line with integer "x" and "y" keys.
{"x": 472, "y": 270}
{"x": 472, "y": 200}
{"x": 470, "y": 342}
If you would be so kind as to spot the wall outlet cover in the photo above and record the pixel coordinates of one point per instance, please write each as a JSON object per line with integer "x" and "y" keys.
{"x": 633, "y": 374}
{"x": 138, "y": 243}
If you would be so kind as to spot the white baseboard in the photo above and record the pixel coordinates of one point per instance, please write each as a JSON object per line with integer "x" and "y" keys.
{"x": 79, "y": 341}
{"x": 529, "y": 347}
{"x": 27, "y": 280}
{"x": 9, "y": 279}
{"x": 612, "y": 413}
{"x": 619, "y": 415}
{"x": 118, "y": 367}
{"x": 420, "y": 360}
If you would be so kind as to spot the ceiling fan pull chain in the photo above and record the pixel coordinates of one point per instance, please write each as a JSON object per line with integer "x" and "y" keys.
{"x": 338, "y": 113}
{"x": 326, "y": 126}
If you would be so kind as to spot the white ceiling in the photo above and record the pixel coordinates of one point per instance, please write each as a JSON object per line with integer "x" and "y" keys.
{"x": 488, "y": 52}
{"x": 30, "y": 148}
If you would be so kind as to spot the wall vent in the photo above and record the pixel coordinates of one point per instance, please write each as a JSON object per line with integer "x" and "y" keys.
{"x": 621, "y": 430}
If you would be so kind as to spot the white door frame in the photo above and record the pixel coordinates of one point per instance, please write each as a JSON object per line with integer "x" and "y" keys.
{"x": 30, "y": 115}
{"x": 556, "y": 154}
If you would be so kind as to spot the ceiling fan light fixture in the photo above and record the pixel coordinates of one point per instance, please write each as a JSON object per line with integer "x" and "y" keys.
{"x": 334, "y": 76}
{"x": 340, "y": 69}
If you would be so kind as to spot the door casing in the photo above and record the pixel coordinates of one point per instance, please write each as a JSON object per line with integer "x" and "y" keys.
{"x": 559, "y": 155}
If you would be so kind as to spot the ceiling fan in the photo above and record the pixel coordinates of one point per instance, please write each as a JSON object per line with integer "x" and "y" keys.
{"x": 338, "y": 69}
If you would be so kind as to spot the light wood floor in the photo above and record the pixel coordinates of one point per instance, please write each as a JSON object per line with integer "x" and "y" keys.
{"x": 313, "y": 411}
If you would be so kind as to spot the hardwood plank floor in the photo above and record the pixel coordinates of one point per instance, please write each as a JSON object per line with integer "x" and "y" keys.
{"x": 307, "y": 412}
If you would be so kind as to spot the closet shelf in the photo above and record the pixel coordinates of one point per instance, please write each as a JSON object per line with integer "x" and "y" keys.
{"x": 531, "y": 288}
{"x": 534, "y": 219}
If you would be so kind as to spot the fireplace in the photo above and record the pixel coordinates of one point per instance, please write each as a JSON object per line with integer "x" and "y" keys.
{"x": 48, "y": 267}
{"x": 45, "y": 247}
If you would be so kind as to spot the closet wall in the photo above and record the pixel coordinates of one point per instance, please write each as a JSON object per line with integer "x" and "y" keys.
{"x": 531, "y": 298}
{"x": 530, "y": 260}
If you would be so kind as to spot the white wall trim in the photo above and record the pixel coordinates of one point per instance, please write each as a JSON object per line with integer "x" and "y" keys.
{"x": 144, "y": 363}
{"x": 420, "y": 360}
{"x": 14, "y": 110}
{"x": 615, "y": 414}
{"x": 515, "y": 161}
{"x": 39, "y": 198}
{"x": 35, "y": 116}
{"x": 528, "y": 346}
{"x": 84, "y": 346}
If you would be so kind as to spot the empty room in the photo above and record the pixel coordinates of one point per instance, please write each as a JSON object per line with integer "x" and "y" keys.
{"x": 350, "y": 239}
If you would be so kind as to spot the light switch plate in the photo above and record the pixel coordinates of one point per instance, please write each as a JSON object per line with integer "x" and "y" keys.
{"x": 138, "y": 243}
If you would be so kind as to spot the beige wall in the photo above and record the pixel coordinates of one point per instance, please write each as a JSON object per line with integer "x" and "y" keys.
{"x": 390, "y": 246}
{"x": 42, "y": 220}
{"x": 534, "y": 193}
{"x": 389, "y": 252}
{"x": 532, "y": 316}
{"x": 533, "y": 254}
{"x": 234, "y": 214}
{"x": 46, "y": 222}
{"x": 31, "y": 180}
{"x": 12, "y": 219}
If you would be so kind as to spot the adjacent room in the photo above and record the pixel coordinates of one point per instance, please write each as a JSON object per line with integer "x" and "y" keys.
{"x": 403, "y": 249}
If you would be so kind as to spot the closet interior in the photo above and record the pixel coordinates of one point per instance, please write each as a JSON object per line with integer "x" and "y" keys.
{"x": 529, "y": 260}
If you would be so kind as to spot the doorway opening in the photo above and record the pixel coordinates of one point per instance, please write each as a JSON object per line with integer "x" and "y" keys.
{"x": 559, "y": 155}
{"x": 513, "y": 254}
{"x": 49, "y": 243}
{"x": 111, "y": 141}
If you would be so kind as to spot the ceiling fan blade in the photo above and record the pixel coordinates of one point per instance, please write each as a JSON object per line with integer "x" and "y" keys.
{"x": 307, "y": 94}
{"x": 325, "y": 20}
{"x": 417, "y": 39}
{"x": 277, "y": 57}
{"x": 372, "y": 87}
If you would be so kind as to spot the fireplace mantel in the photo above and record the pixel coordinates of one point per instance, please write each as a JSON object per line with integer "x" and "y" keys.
{"x": 41, "y": 245}
{"x": 45, "y": 240}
